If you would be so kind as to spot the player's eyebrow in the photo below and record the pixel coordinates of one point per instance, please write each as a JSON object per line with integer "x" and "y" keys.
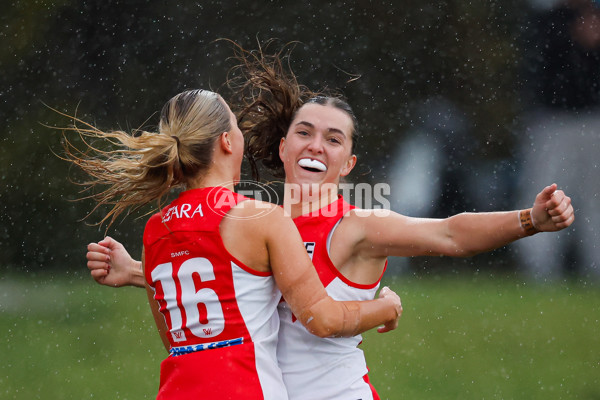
{"x": 309, "y": 125}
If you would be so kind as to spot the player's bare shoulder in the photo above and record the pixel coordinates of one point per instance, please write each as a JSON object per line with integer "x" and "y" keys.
{"x": 371, "y": 227}
{"x": 245, "y": 232}
{"x": 252, "y": 217}
{"x": 359, "y": 218}
{"x": 253, "y": 209}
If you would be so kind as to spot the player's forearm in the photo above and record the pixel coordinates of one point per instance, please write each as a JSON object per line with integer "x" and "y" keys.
{"x": 136, "y": 274}
{"x": 473, "y": 233}
{"x": 330, "y": 318}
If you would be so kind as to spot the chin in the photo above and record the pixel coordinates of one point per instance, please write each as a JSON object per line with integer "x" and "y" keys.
{"x": 314, "y": 180}
{"x": 305, "y": 177}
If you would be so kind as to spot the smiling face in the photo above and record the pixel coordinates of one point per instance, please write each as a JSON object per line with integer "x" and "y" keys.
{"x": 318, "y": 146}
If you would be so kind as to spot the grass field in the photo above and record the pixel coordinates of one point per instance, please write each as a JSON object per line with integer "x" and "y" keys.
{"x": 459, "y": 338}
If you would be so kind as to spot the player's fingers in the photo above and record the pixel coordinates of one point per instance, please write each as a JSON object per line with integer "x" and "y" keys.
{"x": 556, "y": 205}
{"x": 547, "y": 192}
{"x": 387, "y": 292}
{"x": 560, "y": 217}
{"x": 111, "y": 244}
{"x": 565, "y": 219}
{"x": 97, "y": 247}
{"x": 564, "y": 206}
{"x": 98, "y": 265}
{"x": 98, "y": 273}
{"x": 97, "y": 256}
{"x": 555, "y": 198}
{"x": 569, "y": 221}
{"x": 387, "y": 328}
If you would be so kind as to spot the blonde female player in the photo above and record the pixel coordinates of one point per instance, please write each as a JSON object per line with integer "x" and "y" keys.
{"x": 349, "y": 246}
{"x": 213, "y": 260}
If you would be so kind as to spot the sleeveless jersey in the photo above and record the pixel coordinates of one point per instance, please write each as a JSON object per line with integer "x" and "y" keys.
{"x": 324, "y": 368}
{"x": 221, "y": 315}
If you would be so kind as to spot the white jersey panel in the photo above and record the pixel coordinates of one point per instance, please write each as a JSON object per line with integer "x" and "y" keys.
{"x": 258, "y": 297}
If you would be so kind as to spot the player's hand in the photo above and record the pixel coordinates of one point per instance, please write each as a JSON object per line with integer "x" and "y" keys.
{"x": 552, "y": 210}
{"x": 110, "y": 264}
{"x": 388, "y": 293}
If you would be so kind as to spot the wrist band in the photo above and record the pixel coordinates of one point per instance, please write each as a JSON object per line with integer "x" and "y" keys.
{"x": 527, "y": 222}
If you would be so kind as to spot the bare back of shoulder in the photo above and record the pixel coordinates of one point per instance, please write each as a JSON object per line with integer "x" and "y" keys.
{"x": 243, "y": 230}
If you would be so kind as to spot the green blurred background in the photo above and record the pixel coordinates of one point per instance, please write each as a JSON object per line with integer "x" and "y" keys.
{"x": 476, "y": 337}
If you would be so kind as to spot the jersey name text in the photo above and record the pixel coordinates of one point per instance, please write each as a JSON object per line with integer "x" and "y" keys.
{"x": 182, "y": 211}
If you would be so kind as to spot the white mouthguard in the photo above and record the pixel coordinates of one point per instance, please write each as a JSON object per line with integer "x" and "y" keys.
{"x": 309, "y": 163}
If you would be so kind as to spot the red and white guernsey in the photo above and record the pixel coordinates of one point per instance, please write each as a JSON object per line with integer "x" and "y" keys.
{"x": 221, "y": 314}
{"x": 324, "y": 368}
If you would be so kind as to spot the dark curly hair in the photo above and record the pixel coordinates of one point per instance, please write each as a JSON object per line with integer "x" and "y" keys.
{"x": 267, "y": 96}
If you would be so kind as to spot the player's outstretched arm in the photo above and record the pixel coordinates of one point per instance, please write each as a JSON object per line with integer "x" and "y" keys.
{"x": 461, "y": 235}
{"x": 475, "y": 233}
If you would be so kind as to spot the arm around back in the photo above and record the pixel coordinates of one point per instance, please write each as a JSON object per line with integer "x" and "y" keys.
{"x": 303, "y": 291}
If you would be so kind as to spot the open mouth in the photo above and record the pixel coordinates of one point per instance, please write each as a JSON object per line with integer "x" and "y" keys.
{"x": 312, "y": 165}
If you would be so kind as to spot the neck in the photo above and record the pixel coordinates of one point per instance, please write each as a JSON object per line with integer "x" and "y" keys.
{"x": 214, "y": 177}
{"x": 300, "y": 199}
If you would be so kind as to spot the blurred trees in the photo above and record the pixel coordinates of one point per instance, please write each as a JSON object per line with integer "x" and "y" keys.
{"x": 114, "y": 63}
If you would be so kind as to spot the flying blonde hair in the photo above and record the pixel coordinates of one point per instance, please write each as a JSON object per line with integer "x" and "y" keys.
{"x": 141, "y": 167}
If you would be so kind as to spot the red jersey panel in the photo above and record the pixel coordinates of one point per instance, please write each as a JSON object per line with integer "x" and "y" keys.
{"x": 221, "y": 315}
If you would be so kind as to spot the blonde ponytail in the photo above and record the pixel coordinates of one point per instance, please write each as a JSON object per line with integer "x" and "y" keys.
{"x": 143, "y": 166}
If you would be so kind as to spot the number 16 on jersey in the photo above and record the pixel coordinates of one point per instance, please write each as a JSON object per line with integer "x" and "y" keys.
{"x": 185, "y": 316}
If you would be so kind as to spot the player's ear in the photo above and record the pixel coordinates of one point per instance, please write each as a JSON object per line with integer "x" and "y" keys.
{"x": 225, "y": 143}
{"x": 281, "y": 147}
{"x": 350, "y": 163}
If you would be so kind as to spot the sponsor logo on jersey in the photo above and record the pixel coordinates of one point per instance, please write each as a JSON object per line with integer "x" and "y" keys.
{"x": 178, "y": 351}
{"x": 310, "y": 248}
{"x": 178, "y": 336}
